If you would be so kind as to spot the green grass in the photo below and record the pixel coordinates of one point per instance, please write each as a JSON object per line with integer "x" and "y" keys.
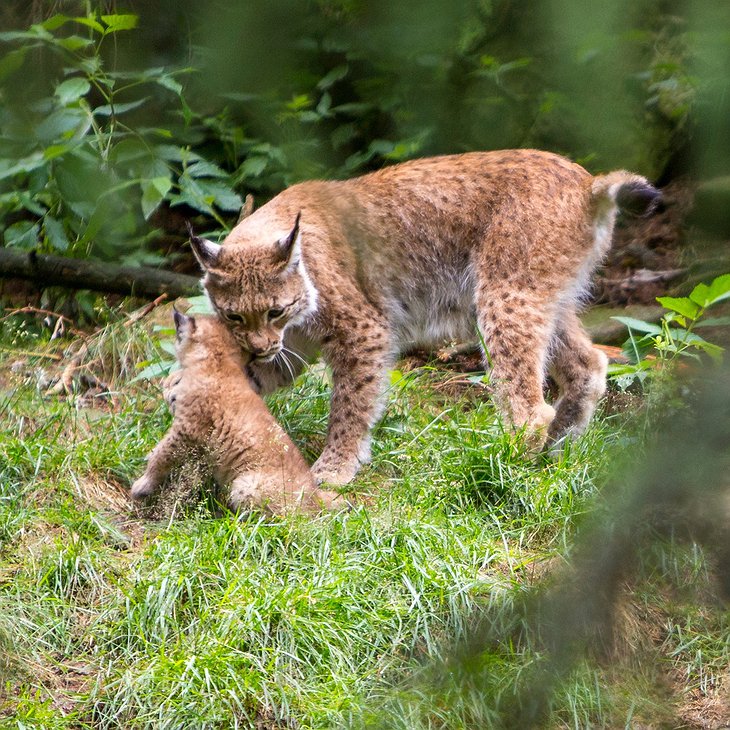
{"x": 110, "y": 618}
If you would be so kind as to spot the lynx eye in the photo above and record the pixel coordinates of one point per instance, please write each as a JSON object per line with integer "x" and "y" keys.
{"x": 233, "y": 317}
{"x": 273, "y": 314}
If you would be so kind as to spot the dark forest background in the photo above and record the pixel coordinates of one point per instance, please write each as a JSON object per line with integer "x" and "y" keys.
{"x": 120, "y": 120}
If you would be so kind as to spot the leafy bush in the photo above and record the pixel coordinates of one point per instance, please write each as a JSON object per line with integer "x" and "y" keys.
{"x": 658, "y": 347}
{"x": 81, "y": 169}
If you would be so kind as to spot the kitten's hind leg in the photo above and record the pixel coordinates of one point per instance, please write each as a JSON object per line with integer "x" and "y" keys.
{"x": 160, "y": 462}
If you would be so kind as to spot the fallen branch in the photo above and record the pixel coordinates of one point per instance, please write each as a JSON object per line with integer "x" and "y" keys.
{"x": 141, "y": 281}
{"x": 142, "y": 312}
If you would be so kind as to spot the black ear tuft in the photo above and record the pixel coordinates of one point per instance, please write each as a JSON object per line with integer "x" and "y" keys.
{"x": 289, "y": 248}
{"x": 205, "y": 251}
{"x": 183, "y": 323}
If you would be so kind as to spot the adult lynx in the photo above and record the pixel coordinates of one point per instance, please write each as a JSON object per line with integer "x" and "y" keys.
{"x": 221, "y": 420}
{"x": 415, "y": 254}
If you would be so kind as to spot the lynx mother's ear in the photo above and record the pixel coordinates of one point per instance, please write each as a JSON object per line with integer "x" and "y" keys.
{"x": 205, "y": 251}
{"x": 289, "y": 248}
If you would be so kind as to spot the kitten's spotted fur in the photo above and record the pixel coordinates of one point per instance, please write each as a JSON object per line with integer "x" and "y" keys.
{"x": 415, "y": 254}
{"x": 219, "y": 418}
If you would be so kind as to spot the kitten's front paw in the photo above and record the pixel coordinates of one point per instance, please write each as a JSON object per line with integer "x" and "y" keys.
{"x": 143, "y": 487}
{"x": 169, "y": 389}
{"x": 324, "y": 471}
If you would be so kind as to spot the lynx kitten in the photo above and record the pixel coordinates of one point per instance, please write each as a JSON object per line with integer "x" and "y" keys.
{"x": 415, "y": 254}
{"x": 220, "y": 418}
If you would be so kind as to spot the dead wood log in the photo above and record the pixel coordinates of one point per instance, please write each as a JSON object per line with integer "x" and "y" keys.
{"x": 140, "y": 281}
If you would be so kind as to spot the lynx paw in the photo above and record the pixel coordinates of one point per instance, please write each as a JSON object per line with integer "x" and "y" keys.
{"x": 143, "y": 487}
{"x": 323, "y": 470}
{"x": 169, "y": 389}
{"x": 536, "y": 428}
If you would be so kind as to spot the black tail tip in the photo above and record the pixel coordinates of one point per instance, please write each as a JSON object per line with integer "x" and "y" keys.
{"x": 638, "y": 199}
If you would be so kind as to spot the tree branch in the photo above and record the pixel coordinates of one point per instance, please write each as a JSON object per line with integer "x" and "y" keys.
{"x": 141, "y": 281}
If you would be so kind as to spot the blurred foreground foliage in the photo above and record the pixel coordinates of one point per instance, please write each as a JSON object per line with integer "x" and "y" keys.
{"x": 118, "y": 119}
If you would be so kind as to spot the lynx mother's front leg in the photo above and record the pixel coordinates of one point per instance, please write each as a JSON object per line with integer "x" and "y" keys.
{"x": 359, "y": 355}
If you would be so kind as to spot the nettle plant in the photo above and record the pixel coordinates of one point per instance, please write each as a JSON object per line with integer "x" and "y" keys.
{"x": 82, "y": 170}
{"x": 654, "y": 349}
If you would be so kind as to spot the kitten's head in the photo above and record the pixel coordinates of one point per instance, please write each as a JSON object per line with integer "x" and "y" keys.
{"x": 204, "y": 339}
{"x": 257, "y": 285}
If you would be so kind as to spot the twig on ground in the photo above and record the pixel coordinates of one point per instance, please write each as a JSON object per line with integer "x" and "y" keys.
{"x": 30, "y": 353}
{"x": 45, "y": 313}
{"x": 447, "y": 354}
{"x": 144, "y": 311}
{"x": 64, "y": 385}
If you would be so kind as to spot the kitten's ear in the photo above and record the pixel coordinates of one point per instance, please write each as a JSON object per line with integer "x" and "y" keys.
{"x": 289, "y": 248}
{"x": 183, "y": 324}
{"x": 205, "y": 251}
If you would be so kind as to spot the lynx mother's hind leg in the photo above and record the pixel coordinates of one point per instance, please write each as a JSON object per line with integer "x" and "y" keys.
{"x": 579, "y": 369}
{"x": 516, "y": 326}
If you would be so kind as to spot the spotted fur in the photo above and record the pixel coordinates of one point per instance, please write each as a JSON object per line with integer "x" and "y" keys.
{"x": 416, "y": 254}
{"x": 219, "y": 419}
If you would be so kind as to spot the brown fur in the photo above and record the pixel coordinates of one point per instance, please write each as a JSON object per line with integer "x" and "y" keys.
{"x": 218, "y": 416}
{"x": 416, "y": 254}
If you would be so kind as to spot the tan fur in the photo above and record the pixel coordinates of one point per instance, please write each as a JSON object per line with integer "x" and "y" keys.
{"x": 416, "y": 254}
{"x": 219, "y": 417}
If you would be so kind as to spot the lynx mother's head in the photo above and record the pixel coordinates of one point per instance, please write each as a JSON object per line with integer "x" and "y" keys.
{"x": 257, "y": 285}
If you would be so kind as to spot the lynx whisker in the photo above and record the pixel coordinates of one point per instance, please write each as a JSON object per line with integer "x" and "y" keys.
{"x": 282, "y": 358}
{"x": 289, "y": 351}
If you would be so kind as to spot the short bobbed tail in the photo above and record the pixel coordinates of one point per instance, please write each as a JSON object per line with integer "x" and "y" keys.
{"x": 632, "y": 194}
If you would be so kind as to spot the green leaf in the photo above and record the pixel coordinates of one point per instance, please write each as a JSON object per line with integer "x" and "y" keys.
{"x": 12, "y": 61}
{"x": 31, "y": 204}
{"x": 168, "y": 347}
{"x": 396, "y": 376}
{"x": 117, "y": 22}
{"x": 176, "y": 154}
{"x": 55, "y": 233}
{"x": 23, "y": 234}
{"x": 719, "y": 289}
{"x": 90, "y": 22}
{"x": 106, "y": 110}
{"x": 153, "y": 370}
{"x": 342, "y": 135}
{"x": 62, "y": 125}
{"x": 714, "y": 322}
{"x": 72, "y": 90}
{"x": 223, "y": 196}
{"x": 24, "y": 165}
{"x": 331, "y": 77}
{"x": 682, "y": 305}
{"x": 299, "y": 102}
{"x": 154, "y": 192}
{"x": 74, "y": 42}
{"x": 254, "y": 166}
{"x": 191, "y": 194}
{"x": 55, "y": 22}
{"x": 203, "y": 168}
{"x": 700, "y": 294}
{"x": 200, "y": 305}
{"x": 639, "y": 325}
{"x": 168, "y": 82}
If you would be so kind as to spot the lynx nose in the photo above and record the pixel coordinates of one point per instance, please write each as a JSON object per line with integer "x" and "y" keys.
{"x": 265, "y": 354}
